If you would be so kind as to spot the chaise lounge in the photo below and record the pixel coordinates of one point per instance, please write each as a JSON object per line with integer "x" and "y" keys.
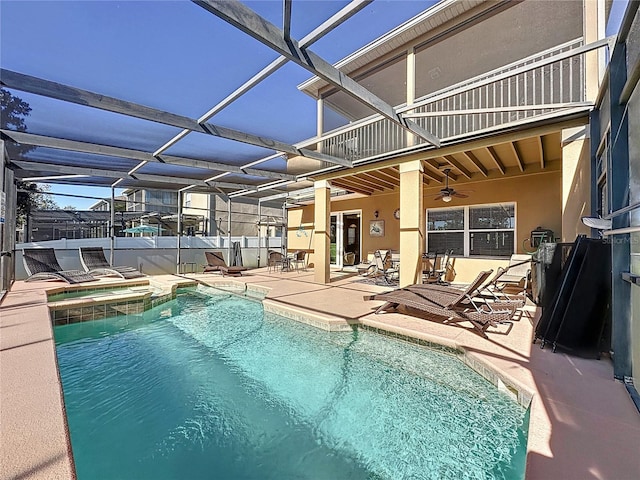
{"x": 449, "y": 305}
{"x": 42, "y": 264}
{"x": 216, "y": 263}
{"x": 95, "y": 263}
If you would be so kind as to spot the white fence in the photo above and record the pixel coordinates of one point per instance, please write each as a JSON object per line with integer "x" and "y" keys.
{"x": 154, "y": 255}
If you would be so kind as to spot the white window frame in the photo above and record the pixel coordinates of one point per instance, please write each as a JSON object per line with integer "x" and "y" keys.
{"x": 466, "y": 231}
{"x": 340, "y": 234}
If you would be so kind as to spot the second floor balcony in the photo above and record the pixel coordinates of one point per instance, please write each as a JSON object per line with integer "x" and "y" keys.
{"x": 543, "y": 86}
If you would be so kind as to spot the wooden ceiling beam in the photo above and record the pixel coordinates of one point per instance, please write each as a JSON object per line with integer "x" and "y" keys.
{"x": 473, "y": 159}
{"x": 392, "y": 178}
{"x": 351, "y": 188}
{"x": 432, "y": 176}
{"x": 495, "y": 158}
{"x": 433, "y": 167}
{"x": 451, "y": 160}
{"x": 365, "y": 183}
{"x": 541, "y": 151}
{"x": 375, "y": 178}
{"x": 514, "y": 150}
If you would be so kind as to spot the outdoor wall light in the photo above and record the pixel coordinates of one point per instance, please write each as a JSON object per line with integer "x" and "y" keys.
{"x": 375, "y": 214}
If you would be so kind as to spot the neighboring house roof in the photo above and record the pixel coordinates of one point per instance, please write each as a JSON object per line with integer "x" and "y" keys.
{"x": 400, "y": 36}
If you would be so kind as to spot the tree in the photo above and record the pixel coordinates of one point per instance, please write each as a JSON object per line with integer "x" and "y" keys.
{"x": 13, "y": 111}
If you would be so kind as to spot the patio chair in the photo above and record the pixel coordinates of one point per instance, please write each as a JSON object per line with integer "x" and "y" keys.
{"x": 383, "y": 267}
{"x": 275, "y": 260}
{"x": 494, "y": 289}
{"x": 438, "y": 273}
{"x": 95, "y": 263}
{"x": 299, "y": 260}
{"x": 349, "y": 259}
{"x": 434, "y": 302}
{"x": 42, "y": 264}
{"x": 511, "y": 283}
{"x": 366, "y": 267}
{"x": 216, "y": 263}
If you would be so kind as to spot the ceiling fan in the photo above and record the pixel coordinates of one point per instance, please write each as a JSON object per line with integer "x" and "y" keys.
{"x": 447, "y": 193}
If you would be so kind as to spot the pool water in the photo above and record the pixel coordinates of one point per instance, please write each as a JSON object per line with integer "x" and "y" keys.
{"x": 209, "y": 386}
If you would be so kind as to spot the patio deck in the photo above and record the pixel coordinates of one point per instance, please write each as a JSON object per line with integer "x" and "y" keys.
{"x": 583, "y": 423}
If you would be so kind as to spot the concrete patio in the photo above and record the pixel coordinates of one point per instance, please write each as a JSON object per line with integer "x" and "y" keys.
{"x": 583, "y": 423}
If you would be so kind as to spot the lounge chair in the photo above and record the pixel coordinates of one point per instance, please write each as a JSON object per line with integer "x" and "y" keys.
{"x": 495, "y": 290}
{"x": 440, "y": 304}
{"x": 42, "y": 264}
{"x": 436, "y": 273}
{"x": 450, "y": 297}
{"x": 216, "y": 263}
{"x": 383, "y": 268}
{"x": 95, "y": 263}
{"x": 511, "y": 283}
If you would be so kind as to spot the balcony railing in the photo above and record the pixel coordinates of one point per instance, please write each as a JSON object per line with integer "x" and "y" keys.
{"x": 503, "y": 96}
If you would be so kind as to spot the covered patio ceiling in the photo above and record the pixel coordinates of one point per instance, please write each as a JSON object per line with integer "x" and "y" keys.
{"x": 113, "y": 142}
{"x": 526, "y": 152}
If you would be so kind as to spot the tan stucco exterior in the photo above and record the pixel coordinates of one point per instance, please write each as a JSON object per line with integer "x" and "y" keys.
{"x": 576, "y": 182}
{"x": 538, "y": 199}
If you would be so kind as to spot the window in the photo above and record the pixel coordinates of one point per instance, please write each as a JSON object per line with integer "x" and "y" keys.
{"x": 445, "y": 230}
{"x": 187, "y": 200}
{"x": 602, "y": 166}
{"x": 477, "y": 230}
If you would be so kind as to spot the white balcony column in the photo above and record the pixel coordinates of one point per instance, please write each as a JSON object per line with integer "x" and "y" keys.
{"x": 412, "y": 222}
{"x": 411, "y": 88}
{"x": 321, "y": 234}
{"x": 319, "y": 121}
{"x": 112, "y": 229}
{"x": 179, "y": 231}
{"x": 593, "y": 29}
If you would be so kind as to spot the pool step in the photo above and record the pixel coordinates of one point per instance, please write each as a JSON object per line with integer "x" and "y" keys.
{"x": 110, "y": 300}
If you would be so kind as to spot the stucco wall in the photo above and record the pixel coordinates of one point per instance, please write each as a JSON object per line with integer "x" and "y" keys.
{"x": 538, "y": 201}
{"x": 576, "y": 183}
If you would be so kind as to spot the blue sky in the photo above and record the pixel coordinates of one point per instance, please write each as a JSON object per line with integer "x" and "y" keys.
{"x": 174, "y": 56}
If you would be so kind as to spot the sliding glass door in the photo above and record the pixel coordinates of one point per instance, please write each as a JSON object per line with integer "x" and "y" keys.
{"x": 346, "y": 238}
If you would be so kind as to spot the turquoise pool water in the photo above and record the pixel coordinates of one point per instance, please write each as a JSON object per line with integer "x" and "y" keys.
{"x": 210, "y": 387}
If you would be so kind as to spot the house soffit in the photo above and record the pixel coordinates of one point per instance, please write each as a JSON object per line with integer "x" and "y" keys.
{"x": 516, "y": 154}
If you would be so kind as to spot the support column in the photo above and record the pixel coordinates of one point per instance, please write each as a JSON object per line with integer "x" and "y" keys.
{"x": 319, "y": 121}
{"x": 593, "y": 30}
{"x": 412, "y": 222}
{"x": 322, "y": 239}
{"x": 229, "y": 230}
{"x": 411, "y": 88}
{"x": 576, "y": 182}
{"x": 259, "y": 231}
{"x": 179, "y": 233}
{"x": 112, "y": 230}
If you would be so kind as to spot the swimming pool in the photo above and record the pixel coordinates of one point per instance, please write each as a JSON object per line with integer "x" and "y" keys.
{"x": 209, "y": 386}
